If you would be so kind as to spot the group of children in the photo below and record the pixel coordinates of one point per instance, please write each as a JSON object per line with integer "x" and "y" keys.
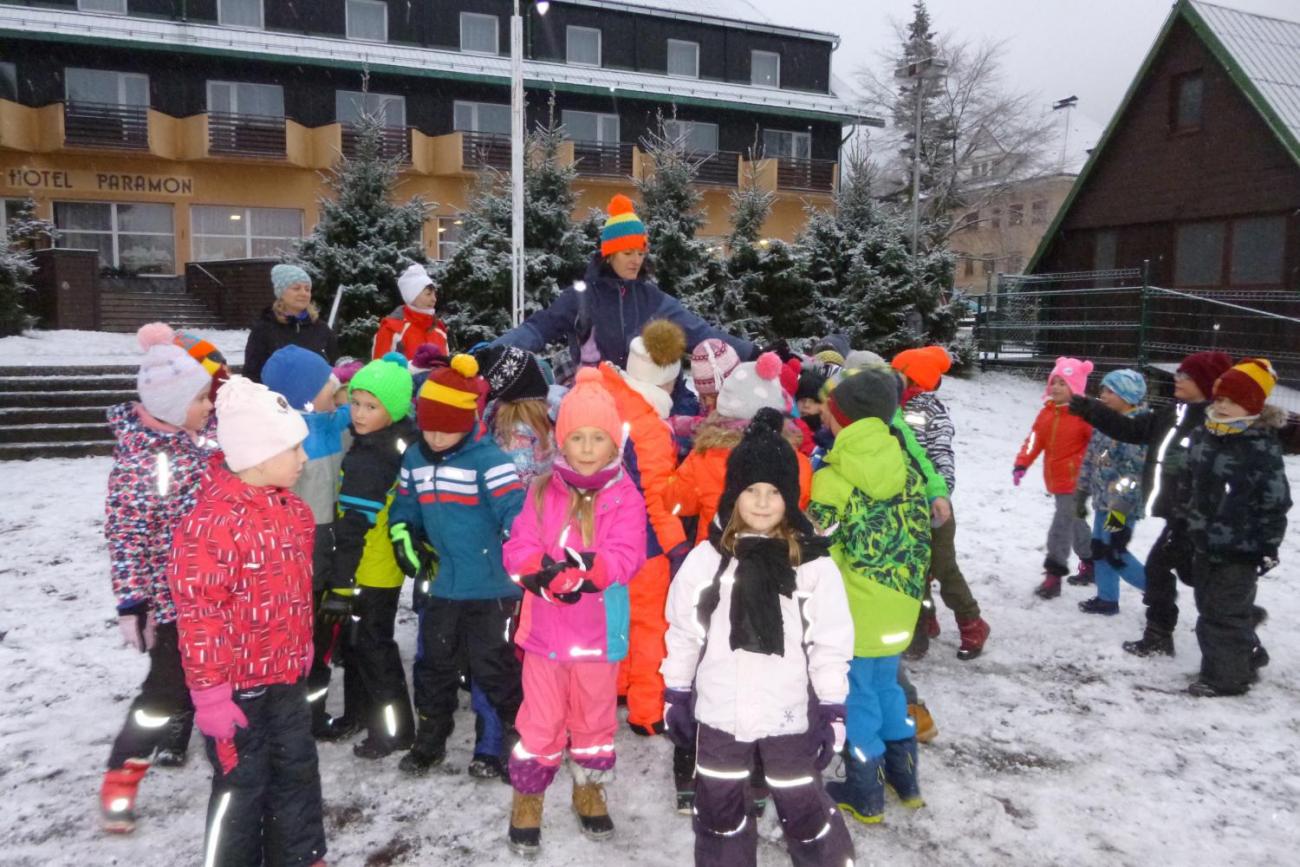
{"x": 741, "y": 551}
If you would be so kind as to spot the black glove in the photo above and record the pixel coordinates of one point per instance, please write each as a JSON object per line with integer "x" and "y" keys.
{"x": 1081, "y": 504}
{"x": 1121, "y": 534}
{"x": 335, "y": 608}
{"x": 538, "y": 582}
{"x": 413, "y": 554}
{"x": 1078, "y": 404}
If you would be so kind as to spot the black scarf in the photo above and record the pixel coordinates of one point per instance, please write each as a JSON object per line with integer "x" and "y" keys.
{"x": 763, "y": 575}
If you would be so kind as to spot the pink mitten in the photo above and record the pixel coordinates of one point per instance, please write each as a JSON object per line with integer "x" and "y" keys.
{"x": 215, "y": 711}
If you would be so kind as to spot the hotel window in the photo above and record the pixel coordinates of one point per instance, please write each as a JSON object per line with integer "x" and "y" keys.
{"x": 449, "y": 229}
{"x": 683, "y": 58}
{"x": 237, "y": 97}
{"x": 1016, "y": 214}
{"x": 779, "y": 143}
{"x": 11, "y": 207}
{"x": 582, "y": 46}
{"x": 478, "y": 33}
{"x": 1038, "y": 212}
{"x": 968, "y": 266}
{"x": 105, "y": 87}
{"x": 137, "y": 237}
{"x": 367, "y": 20}
{"x": 589, "y": 126}
{"x": 113, "y": 7}
{"x": 481, "y": 117}
{"x": 699, "y": 137}
{"x": 243, "y": 233}
{"x": 995, "y": 222}
{"x": 351, "y": 105}
{"x": 240, "y": 13}
{"x": 765, "y": 68}
{"x": 8, "y": 82}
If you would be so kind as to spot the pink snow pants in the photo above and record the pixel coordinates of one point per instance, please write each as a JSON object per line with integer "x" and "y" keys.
{"x": 566, "y": 704}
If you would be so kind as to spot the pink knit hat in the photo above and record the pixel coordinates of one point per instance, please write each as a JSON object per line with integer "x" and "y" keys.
{"x": 1074, "y": 371}
{"x": 588, "y": 404}
{"x": 712, "y": 361}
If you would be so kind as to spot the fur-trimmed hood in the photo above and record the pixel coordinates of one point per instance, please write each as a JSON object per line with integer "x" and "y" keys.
{"x": 720, "y": 432}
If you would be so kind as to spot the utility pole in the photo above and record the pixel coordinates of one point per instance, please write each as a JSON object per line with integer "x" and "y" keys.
{"x": 919, "y": 72}
{"x": 1067, "y": 105}
{"x": 517, "y": 160}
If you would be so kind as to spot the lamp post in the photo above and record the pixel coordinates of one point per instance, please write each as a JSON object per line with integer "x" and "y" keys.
{"x": 517, "y": 160}
{"x": 1067, "y": 105}
{"x": 919, "y": 72}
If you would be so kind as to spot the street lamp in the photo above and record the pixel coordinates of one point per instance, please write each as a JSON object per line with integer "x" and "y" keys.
{"x": 919, "y": 71}
{"x": 1067, "y": 105}
{"x": 517, "y": 159}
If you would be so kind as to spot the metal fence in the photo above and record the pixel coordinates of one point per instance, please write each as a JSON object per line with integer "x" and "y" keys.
{"x": 1116, "y": 319}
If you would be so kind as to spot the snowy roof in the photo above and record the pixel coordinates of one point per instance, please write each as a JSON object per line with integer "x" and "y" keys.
{"x": 741, "y": 14}
{"x": 1263, "y": 55}
{"x": 165, "y": 35}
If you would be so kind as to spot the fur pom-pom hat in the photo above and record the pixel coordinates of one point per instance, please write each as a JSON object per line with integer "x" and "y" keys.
{"x": 1248, "y": 385}
{"x": 752, "y": 386}
{"x": 655, "y": 355}
{"x": 170, "y": 378}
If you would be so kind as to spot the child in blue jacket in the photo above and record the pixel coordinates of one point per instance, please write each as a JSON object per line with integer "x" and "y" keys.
{"x": 459, "y": 493}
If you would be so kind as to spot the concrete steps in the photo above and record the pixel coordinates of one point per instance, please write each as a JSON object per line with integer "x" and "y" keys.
{"x": 126, "y": 310}
{"x": 48, "y": 412}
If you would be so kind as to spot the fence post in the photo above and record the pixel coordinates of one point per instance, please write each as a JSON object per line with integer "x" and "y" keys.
{"x": 1143, "y": 313}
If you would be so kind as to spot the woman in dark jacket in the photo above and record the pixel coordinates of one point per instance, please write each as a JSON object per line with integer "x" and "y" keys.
{"x": 600, "y": 315}
{"x": 291, "y": 320}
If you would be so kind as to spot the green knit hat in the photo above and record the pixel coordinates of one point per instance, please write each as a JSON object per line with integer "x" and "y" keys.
{"x": 387, "y": 379}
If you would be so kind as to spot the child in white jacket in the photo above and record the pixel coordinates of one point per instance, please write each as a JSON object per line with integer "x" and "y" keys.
{"x": 759, "y": 642}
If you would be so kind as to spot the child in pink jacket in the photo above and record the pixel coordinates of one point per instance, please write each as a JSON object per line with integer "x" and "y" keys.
{"x": 574, "y": 547}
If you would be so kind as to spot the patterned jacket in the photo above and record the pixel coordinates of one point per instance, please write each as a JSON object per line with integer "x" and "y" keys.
{"x": 1112, "y": 473}
{"x": 153, "y": 483}
{"x": 464, "y": 503}
{"x": 872, "y": 500}
{"x": 241, "y": 577}
{"x": 1235, "y": 491}
{"x": 928, "y": 418}
{"x": 362, "y": 553}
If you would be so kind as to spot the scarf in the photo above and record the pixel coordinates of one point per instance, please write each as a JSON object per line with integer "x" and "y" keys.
{"x": 590, "y": 483}
{"x": 763, "y": 576}
{"x": 1222, "y": 426}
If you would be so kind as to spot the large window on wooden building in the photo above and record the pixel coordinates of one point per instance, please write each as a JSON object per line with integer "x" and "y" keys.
{"x": 1258, "y": 251}
{"x": 1188, "y": 90}
{"x": 1105, "y": 245}
{"x": 1198, "y": 254}
{"x": 137, "y": 237}
{"x": 240, "y": 233}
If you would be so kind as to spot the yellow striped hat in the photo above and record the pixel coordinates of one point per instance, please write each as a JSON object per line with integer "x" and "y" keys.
{"x": 1248, "y": 384}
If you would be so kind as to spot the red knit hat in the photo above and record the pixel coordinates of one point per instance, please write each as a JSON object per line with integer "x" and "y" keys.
{"x": 588, "y": 404}
{"x": 925, "y": 366}
{"x": 1204, "y": 369}
{"x": 1248, "y": 384}
{"x": 448, "y": 400}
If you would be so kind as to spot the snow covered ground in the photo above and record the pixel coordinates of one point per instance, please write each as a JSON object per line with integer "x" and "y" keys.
{"x": 69, "y": 347}
{"x": 1055, "y": 747}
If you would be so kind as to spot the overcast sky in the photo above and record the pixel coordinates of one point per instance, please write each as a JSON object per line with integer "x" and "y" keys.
{"x": 1088, "y": 48}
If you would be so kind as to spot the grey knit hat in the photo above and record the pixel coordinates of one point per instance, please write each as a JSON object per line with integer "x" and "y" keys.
{"x": 867, "y": 392}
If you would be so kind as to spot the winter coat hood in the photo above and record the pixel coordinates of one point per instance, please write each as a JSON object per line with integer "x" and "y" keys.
{"x": 869, "y": 458}
{"x": 719, "y": 432}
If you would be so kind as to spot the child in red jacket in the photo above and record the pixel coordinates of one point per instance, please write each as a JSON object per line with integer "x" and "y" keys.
{"x": 240, "y": 575}
{"x": 1063, "y": 438}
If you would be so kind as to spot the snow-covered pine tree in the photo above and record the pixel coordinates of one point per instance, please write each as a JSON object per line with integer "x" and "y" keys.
{"x": 936, "y": 145}
{"x": 24, "y": 233}
{"x": 476, "y": 279}
{"x": 364, "y": 240}
{"x": 739, "y": 299}
{"x": 671, "y": 212}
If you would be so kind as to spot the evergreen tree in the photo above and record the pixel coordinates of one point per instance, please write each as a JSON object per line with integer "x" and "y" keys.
{"x": 557, "y": 249}
{"x": 24, "y": 233}
{"x": 671, "y": 212}
{"x": 936, "y": 144}
{"x": 363, "y": 240}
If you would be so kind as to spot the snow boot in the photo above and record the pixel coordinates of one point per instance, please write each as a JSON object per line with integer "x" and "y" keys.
{"x": 1097, "y": 605}
{"x": 1050, "y": 588}
{"x": 862, "y": 792}
{"x": 590, "y": 807}
{"x": 684, "y": 777}
{"x": 901, "y": 772}
{"x": 117, "y": 796}
{"x": 525, "y": 837}
{"x": 646, "y": 731}
{"x": 973, "y": 635}
{"x": 931, "y": 619}
{"x": 926, "y": 730}
{"x": 486, "y": 767}
{"x": 174, "y": 749}
{"x": 1084, "y": 577}
{"x": 1205, "y": 689}
{"x": 1258, "y": 658}
{"x": 1154, "y": 642}
{"x": 1258, "y": 616}
{"x": 428, "y": 751}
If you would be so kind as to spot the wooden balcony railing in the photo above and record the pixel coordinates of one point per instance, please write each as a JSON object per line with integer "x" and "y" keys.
{"x": 799, "y": 174}
{"x": 245, "y": 134}
{"x": 721, "y": 168}
{"x": 603, "y": 160}
{"x": 106, "y": 125}
{"x": 483, "y": 150}
{"x": 394, "y": 142}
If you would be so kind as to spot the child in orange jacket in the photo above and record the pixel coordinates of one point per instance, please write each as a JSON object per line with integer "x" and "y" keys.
{"x": 1063, "y": 438}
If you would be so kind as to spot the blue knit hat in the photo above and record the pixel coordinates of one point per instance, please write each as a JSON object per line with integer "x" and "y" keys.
{"x": 283, "y": 276}
{"x": 298, "y": 374}
{"x": 1128, "y": 384}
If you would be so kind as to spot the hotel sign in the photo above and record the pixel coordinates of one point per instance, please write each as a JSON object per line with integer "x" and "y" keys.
{"x": 81, "y": 181}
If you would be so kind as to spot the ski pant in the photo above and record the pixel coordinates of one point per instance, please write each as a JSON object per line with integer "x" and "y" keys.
{"x": 488, "y": 734}
{"x": 162, "y": 714}
{"x": 638, "y": 675}
{"x": 877, "y": 708}
{"x": 573, "y": 704}
{"x": 953, "y": 589}
{"x": 1170, "y": 558}
{"x": 326, "y": 639}
{"x": 475, "y": 632}
{"x": 726, "y": 835}
{"x": 267, "y": 809}
{"x": 1225, "y": 627}
{"x": 1107, "y": 573}
{"x": 1068, "y": 531}
{"x": 373, "y": 652}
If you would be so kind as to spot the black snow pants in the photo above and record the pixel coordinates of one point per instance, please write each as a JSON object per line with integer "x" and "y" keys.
{"x": 162, "y": 714}
{"x": 378, "y": 663}
{"x": 1225, "y": 629}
